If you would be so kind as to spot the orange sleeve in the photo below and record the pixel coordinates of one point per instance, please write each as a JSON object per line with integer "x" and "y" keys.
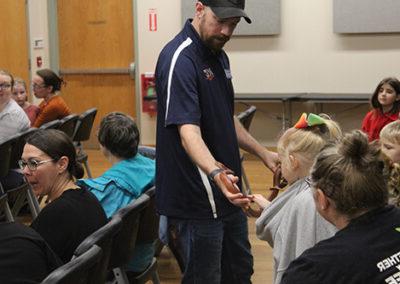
{"x": 56, "y": 108}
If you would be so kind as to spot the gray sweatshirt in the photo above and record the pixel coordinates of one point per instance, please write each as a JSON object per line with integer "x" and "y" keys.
{"x": 291, "y": 224}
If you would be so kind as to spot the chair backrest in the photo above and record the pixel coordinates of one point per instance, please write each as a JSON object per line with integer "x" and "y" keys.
{"x": 51, "y": 124}
{"x": 5, "y": 155}
{"x": 68, "y": 124}
{"x": 85, "y": 125}
{"x": 103, "y": 238}
{"x": 124, "y": 242}
{"x": 18, "y": 147}
{"x": 147, "y": 151}
{"x": 78, "y": 270}
{"x": 149, "y": 220}
{"x": 246, "y": 117}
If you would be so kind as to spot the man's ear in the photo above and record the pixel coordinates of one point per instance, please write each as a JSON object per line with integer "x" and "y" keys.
{"x": 199, "y": 9}
{"x": 294, "y": 162}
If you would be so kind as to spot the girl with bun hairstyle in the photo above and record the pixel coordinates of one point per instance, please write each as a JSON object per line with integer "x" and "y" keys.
{"x": 73, "y": 213}
{"x": 350, "y": 181}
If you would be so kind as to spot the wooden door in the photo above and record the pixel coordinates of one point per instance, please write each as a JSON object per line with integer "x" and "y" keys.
{"x": 96, "y": 48}
{"x": 14, "y": 48}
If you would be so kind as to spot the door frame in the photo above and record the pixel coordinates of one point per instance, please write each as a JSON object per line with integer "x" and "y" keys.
{"x": 54, "y": 55}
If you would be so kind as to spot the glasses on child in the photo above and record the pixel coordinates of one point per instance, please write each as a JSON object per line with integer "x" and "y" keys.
{"x": 5, "y": 86}
{"x": 32, "y": 164}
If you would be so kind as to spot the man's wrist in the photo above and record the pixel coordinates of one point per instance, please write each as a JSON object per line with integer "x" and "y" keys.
{"x": 215, "y": 172}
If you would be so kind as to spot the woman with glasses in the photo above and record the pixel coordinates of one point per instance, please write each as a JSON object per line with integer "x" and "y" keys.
{"x": 73, "y": 213}
{"x": 13, "y": 119}
{"x": 47, "y": 85}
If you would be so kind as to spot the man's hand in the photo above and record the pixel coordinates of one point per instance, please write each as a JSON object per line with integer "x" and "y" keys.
{"x": 227, "y": 184}
{"x": 270, "y": 159}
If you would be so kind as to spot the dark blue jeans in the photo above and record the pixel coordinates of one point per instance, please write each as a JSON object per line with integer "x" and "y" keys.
{"x": 215, "y": 250}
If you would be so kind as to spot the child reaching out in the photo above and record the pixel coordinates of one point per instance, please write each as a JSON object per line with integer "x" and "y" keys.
{"x": 290, "y": 223}
{"x": 386, "y": 106}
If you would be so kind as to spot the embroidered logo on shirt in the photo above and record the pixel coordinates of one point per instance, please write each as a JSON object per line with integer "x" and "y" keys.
{"x": 209, "y": 74}
{"x": 228, "y": 74}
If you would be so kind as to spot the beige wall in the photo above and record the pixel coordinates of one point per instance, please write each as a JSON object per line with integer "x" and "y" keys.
{"x": 306, "y": 57}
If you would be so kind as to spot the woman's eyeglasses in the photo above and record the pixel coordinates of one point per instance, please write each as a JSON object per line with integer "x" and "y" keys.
{"x": 5, "y": 86}
{"x": 32, "y": 164}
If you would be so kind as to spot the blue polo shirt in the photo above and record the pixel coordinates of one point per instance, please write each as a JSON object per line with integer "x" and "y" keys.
{"x": 193, "y": 86}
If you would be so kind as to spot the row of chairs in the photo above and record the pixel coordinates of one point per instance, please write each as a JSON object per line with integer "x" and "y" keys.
{"x": 110, "y": 248}
{"x": 78, "y": 128}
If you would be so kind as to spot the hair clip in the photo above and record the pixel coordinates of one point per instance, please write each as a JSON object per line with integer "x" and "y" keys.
{"x": 310, "y": 120}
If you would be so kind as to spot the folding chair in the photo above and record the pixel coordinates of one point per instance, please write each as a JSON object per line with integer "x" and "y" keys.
{"x": 5, "y": 154}
{"x": 22, "y": 193}
{"x": 68, "y": 124}
{"x": 51, "y": 124}
{"x": 245, "y": 118}
{"x": 125, "y": 240}
{"x": 148, "y": 233}
{"x": 150, "y": 152}
{"x": 147, "y": 151}
{"x": 77, "y": 271}
{"x": 82, "y": 133}
{"x": 103, "y": 238}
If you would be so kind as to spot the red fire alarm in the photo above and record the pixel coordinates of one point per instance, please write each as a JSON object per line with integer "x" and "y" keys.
{"x": 39, "y": 61}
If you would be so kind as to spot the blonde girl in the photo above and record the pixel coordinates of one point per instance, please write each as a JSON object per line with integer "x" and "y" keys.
{"x": 291, "y": 224}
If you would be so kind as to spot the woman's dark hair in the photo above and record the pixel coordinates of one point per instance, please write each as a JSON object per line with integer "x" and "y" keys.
{"x": 353, "y": 173}
{"x": 395, "y": 84}
{"x": 51, "y": 79}
{"x": 56, "y": 144}
{"x": 6, "y": 73}
{"x": 119, "y": 134}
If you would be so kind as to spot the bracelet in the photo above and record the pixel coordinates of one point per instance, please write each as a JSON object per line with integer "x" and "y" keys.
{"x": 214, "y": 173}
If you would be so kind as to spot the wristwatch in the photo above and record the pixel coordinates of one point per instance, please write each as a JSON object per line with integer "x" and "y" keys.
{"x": 213, "y": 173}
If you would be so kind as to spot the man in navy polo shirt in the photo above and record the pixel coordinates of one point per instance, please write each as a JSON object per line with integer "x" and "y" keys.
{"x": 196, "y": 132}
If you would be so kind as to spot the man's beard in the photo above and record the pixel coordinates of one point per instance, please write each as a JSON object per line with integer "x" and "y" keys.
{"x": 216, "y": 43}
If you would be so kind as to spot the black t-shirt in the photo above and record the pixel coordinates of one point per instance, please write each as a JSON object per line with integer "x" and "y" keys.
{"x": 366, "y": 251}
{"x": 24, "y": 255}
{"x": 68, "y": 220}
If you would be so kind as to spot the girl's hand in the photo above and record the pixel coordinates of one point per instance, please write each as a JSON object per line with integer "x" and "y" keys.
{"x": 260, "y": 201}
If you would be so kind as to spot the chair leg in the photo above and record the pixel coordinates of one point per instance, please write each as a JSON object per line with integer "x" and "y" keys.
{"x": 87, "y": 169}
{"x": 33, "y": 203}
{"x": 155, "y": 278}
{"x": 7, "y": 209}
{"x": 120, "y": 276}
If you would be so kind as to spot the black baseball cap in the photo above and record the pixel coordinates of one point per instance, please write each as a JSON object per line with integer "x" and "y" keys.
{"x": 227, "y": 8}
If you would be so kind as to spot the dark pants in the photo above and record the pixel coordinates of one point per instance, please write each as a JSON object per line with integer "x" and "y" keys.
{"x": 215, "y": 250}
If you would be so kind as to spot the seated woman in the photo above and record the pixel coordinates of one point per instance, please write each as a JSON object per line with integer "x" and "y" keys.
{"x": 25, "y": 256}
{"x": 350, "y": 191}
{"x": 73, "y": 213}
{"x": 47, "y": 85}
{"x": 20, "y": 95}
{"x": 131, "y": 174}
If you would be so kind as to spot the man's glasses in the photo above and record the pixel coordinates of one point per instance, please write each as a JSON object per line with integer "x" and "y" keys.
{"x": 5, "y": 86}
{"x": 32, "y": 164}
